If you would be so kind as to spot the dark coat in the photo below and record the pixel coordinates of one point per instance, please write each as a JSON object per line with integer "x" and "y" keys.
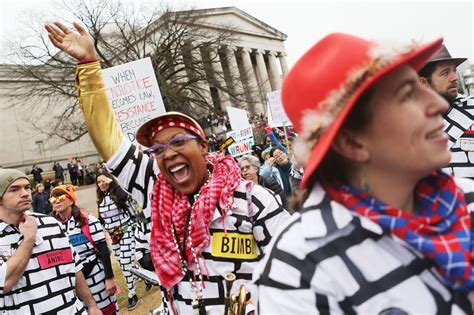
{"x": 36, "y": 172}
{"x": 271, "y": 184}
{"x": 58, "y": 172}
{"x": 41, "y": 203}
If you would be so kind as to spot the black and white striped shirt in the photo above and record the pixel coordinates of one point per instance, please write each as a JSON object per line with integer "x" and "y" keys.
{"x": 330, "y": 260}
{"x": 48, "y": 282}
{"x": 113, "y": 217}
{"x": 88, "y": 254}
{"x": 80, "y": 242}
{"x": 459, "y": 125}
{"x": 248, "y": 230}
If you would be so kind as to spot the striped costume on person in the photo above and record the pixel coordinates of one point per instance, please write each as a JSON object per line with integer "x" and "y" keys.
{"x": 238, "y": 251}
{"x": 459, "y": 125}
{"x": 136, "y": 172}
{"x": 330, "y": 260}
{"x": 95, "y": 278}
{"x": 48, "y": 282}
{"x": 114, "y": 218}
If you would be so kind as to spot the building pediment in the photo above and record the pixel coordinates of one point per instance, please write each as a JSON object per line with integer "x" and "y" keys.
{"x": 241, "y": 22}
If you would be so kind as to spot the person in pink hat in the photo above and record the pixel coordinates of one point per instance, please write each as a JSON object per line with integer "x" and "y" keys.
{"x": 380, "y": 229}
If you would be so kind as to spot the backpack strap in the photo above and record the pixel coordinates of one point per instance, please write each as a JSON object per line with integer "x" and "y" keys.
{"x": 85, "y": 227}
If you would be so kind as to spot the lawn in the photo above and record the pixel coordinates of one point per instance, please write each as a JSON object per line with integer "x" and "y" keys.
{"x": 148, "y": 299}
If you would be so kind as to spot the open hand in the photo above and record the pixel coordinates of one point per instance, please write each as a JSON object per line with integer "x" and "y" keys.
{"x": 110, "y": 286}
{"x": 79, "y": 45}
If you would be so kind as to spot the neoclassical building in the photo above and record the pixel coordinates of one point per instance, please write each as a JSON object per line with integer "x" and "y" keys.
{"x": 468, "y": 75}
{"x": 253, "y": 65}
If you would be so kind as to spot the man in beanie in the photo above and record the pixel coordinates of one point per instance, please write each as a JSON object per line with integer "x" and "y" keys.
{"x": 37, "y": 265}
{"x": 439, "y": 73}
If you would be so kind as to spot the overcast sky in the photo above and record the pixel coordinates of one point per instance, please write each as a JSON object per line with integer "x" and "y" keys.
{"x": 306, "y": 21}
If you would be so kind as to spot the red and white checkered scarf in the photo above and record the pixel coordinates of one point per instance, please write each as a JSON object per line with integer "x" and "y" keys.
{"x": 171, "y": 206}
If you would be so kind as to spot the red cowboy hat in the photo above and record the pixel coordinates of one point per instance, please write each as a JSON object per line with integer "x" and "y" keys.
{"x": 323, "y": 86}
{"x": 146, "y": 131}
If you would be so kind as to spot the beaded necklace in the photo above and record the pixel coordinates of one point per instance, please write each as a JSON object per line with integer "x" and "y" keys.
{"x": 196, "y": 284}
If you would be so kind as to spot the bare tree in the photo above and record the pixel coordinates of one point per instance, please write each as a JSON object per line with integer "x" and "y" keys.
{"x": 182, "y": 51}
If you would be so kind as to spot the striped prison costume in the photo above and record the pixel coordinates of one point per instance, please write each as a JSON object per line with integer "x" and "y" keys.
{"x": 95, "y": 278}
{"x": 47, "y": 285}
{"x": 329, "y": 260}
{"x": 115, "y": 218}
{"x": 137, "y": 174}
{"x": 459, "y": 125}
{"x": 238, "y": 251}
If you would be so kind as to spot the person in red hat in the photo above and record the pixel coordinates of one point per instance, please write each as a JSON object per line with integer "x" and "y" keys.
{"x": 206, "y": 220}
{"x": 380, "y": 230}
{"x": 439, "y": 73}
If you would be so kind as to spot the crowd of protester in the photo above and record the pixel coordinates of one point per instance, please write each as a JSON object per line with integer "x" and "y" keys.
{"x": 348, "y": 211}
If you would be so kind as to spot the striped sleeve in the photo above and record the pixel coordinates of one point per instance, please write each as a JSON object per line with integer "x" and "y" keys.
{"x": 269, "y": 216}
{"x": 96, "y": 229}
{"x": 135, "y": 171}
{"x": 459, "y": 118}
{"x": 460, "y": 129}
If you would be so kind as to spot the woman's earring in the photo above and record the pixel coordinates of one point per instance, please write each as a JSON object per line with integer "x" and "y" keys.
{"x": 363, "y": 182}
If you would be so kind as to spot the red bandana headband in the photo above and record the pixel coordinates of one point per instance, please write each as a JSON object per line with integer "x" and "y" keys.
{"x": 175, "y": 121}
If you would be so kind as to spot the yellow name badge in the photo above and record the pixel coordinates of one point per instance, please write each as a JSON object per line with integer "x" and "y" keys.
{"x": 234, "y": 245}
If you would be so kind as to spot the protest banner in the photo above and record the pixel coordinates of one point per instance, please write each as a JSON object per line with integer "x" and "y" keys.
{"x": 243, "y": 141}
{"x": 134, "y": 94}
{"x": 276, "y": 113}
{"x": 238, "y": 118}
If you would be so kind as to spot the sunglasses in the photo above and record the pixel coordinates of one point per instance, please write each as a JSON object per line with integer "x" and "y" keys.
{"x": 57, "y": 199}
{"x": 176, "y": 144}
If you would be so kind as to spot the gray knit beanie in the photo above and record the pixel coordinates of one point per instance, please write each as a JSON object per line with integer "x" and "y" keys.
{"x": 7, "y": 177}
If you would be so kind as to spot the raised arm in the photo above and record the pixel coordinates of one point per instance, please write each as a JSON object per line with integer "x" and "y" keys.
{"x": 98, "y": 114}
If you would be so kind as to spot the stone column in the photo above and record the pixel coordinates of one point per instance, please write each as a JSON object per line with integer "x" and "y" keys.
{"x": 262, "y": 73}
{"x": 283, "y": 64}
{"x": 218, "y": 73}
{"x": 275, "y": 78}
{"x": 202, "y": 85}
{"x": 235, "y": 78}
{"x": 250, "y": 80}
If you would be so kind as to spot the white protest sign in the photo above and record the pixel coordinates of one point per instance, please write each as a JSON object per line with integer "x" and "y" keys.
{"x": 134, "y": 94}
{"x": 276, "y": 114}
{"x": 238, "y": 118}
{"x": 243, "y": 141}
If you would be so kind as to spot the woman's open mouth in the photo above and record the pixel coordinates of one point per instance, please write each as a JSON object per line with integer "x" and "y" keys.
{"x": 180, "y": 173}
